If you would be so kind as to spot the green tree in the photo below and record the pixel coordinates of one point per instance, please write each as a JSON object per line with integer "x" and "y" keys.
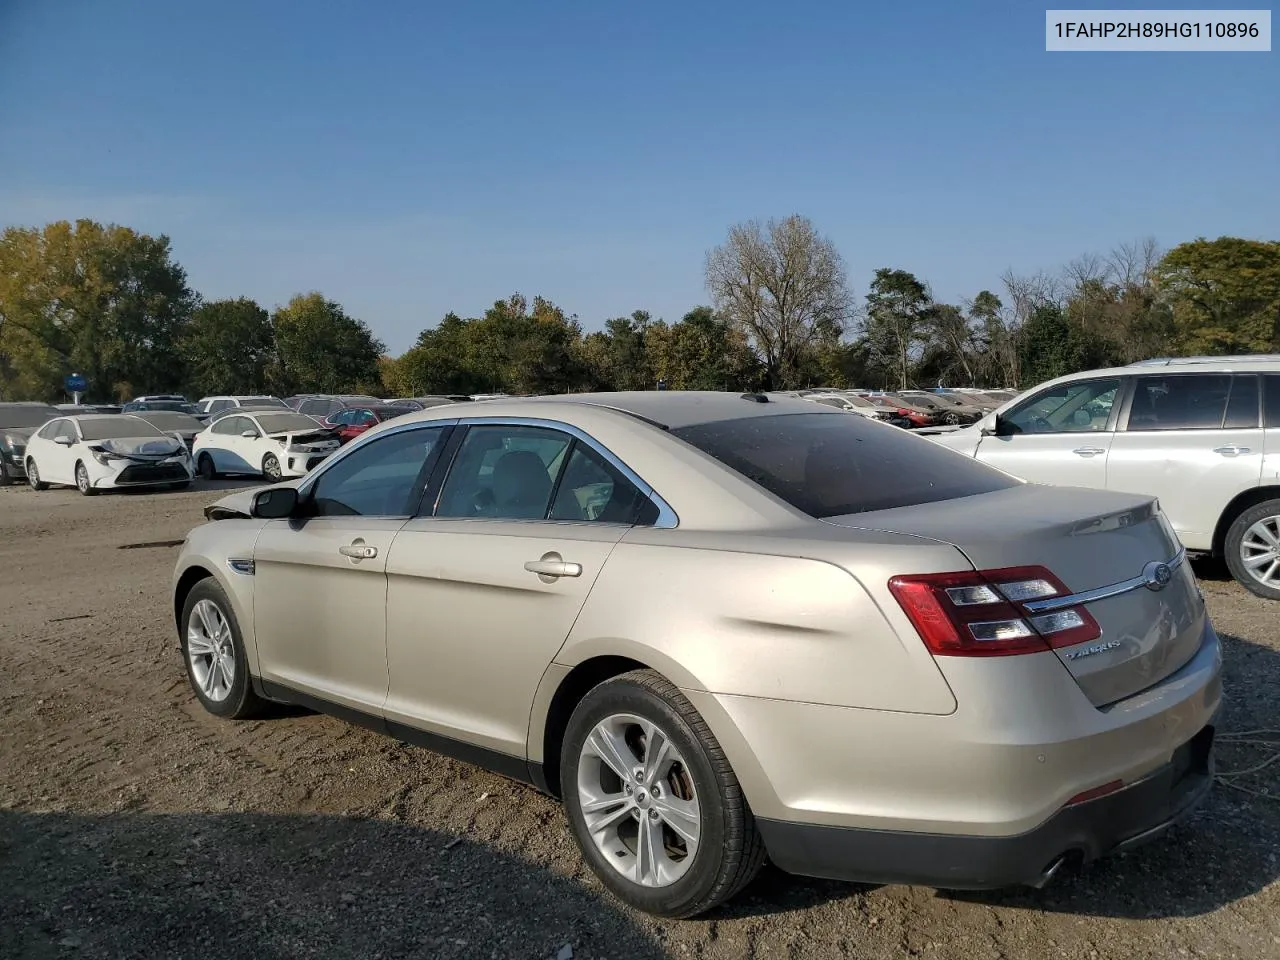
{"x": 1224, "y": 295}
{"x": 103, "y": 301}
{"x": 784, "y": 286}
{"x": 898, "y": 310}
{"x": 703, "y": 352}
{"x": 1052, "y": 347}
{"x": 320, "y": 349}
{"x": 228, "y": 347}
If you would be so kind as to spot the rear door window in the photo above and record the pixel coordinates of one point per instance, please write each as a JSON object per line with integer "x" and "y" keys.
{"x": 592, "y": 489}
{"x": 504, "y": 472}
{"x": 827, "y": 465}
{"x": 1242, "y": 403}
{"x": 1187, "y": 402}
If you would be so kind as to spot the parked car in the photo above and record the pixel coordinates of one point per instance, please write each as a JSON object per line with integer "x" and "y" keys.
{"x": 77, "y": 409}
{"x": 95, "y": 452}
{"x": 1201, "y": 434}
{"x": 275, "y": 445}
{"x": 208, "y": 406}
{"x": 320, "y": 408}
{"x": 353, "y": 421}
{"x": 949, "y": 409}
{"x": 723, "y": 626}
{"x": 181, "y": 425}
{"x": 148, "y": 405}
{"x": 851, "y": 403}
{"x": 915, "y": 415}
{"x": 17, "y": 422}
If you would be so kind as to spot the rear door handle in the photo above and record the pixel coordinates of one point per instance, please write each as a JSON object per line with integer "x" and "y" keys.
{"x": 1088, "y": 451}
{"x": 553, "y": 568}
{"x": 1231, "y": 451}
{"x": 358, "y": 551}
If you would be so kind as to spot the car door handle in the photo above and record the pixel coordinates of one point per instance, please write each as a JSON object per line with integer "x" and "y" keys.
{"x": 553, "y": 568}
{"x": 358, "y": 551}
{"x": 1088, "y": 451}
{"x": 1231, "y": 451}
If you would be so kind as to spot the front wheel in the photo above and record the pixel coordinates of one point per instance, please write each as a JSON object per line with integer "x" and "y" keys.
{"x": 1253, "y": 549}
{"x": 82, "y": 481}
{"x": 271, "y": 468}
{"x": 214, "y": 653}
{"x": 33, "y": 477}
{"x": 654, "y": 805}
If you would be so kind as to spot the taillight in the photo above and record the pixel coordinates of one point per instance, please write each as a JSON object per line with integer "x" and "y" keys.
{"x": 982, "y": 613}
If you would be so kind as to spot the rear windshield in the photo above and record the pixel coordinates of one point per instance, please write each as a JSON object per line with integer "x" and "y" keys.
{"x": 26, "y": 416}
{"x": 122, "y": 427}
{"x": 283, "y": 422}
{"x": 828, "y": 465}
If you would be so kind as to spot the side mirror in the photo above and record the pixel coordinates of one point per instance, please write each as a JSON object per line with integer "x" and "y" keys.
{"x": 64, "y": 441}
{"x": 989, "y": 426}
{"x": 275, "y": 503}
{"x": 250, "y": 434}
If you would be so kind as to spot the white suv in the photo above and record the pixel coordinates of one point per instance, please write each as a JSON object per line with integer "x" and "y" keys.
{"x": 1200, "y": 433}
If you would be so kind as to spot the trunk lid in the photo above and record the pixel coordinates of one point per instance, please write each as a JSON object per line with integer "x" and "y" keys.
{"x": 1093, "y": 540}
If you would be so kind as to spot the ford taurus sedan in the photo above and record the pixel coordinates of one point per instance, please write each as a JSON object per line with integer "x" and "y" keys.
{"x": 728, "y": 627}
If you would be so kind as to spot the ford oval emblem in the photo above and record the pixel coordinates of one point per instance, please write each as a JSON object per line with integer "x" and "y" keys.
{"x": 1157, "y": 575}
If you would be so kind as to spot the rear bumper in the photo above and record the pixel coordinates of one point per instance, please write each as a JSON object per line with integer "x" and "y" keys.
{"x": 1086, "y": 831}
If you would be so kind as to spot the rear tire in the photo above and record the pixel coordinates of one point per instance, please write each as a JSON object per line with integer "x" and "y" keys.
{"x": 206, "y": 468}
{"x": 691, "y": 785}
{"x": 82, "y": 482}
{"x": 271, "y": 468}
{"x": 33, "y": 477}
{"x": 1254, "y": 538}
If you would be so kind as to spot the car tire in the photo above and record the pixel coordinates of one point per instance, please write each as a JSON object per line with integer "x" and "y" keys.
{"x": 1248, "y": 537}
{"x": 209, "y": 622}
{"x": 205, "y": 467}
{"x": 271, "y": 468}
{"x": 728, "y": 851}
{"x": 33, "y": 477}
{"x": 5, "y": 478}
{"x": 82, "y": 481}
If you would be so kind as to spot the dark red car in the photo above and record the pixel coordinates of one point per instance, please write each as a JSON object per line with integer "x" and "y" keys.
{"x": 918, "y": 417}
{"x": 353, "y": 421}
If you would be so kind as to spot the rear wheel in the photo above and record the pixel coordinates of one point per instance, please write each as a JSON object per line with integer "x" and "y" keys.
{"x": 33, "y": 477}
{"x": 82, "y": 481}
{"x": 271, "y": 468}
{"x": 206, "y": 467}
{"x": 652, "y": 801}
{"x": 1253, "y": 549}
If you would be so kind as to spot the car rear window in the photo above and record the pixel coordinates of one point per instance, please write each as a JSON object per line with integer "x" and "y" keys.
{"x": 828, "y": 465}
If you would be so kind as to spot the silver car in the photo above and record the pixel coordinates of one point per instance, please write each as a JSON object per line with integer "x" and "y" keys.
{"x": 728, "y": 627}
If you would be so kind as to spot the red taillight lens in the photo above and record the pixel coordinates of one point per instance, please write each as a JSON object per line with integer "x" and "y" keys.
{"x": 982, "y": 613}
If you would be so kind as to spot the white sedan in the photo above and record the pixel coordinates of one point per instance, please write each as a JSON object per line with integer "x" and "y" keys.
{"x": 275, "y": 445}
{"x": 105, "y": 452}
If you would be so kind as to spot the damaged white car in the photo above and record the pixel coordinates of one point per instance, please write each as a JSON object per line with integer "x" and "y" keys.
{"x": 105, "y": 452}
{"x": 275, "y": 445}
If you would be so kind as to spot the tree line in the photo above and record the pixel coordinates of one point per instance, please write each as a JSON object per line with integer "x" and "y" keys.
{"x": 114, "y": 305}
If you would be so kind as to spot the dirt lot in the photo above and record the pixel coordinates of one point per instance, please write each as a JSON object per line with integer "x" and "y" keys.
{"x": 134, "y": 825}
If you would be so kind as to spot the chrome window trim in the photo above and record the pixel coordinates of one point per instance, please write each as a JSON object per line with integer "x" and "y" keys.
{"x": 667, "y": 518}
{"x": 1101, "y": 593}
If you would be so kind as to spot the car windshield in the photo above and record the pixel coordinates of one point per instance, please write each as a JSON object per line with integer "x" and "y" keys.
{"x": 118, "y": 428}
{"x": 284, "y": 422}
{"x": 180, "y": 406}
{"x": 167, "y": 420}
{"x": 33, "y": 416}
{"x": 262, "y": 402}
{"x": 828, "y": 465}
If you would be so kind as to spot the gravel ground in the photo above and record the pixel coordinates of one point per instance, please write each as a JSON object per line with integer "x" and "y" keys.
{"x": 132, "y": 824}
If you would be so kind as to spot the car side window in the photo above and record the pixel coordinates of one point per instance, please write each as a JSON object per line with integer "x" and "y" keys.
{"x": 228, "y": 426}
{"x": 216, "y": 405}
{"x": 504, "y": 472}
{"x": 593, "y": 489}
{"x": 310, "y": 407}
{"x": 1242, "y": 403}
{"x": 1187, "y": 402}
{"x": 384, "y": 478}
{"x": 342, "y": 418}
{"x": 1272, "y": 400}
{"x": 1082, "y": 406}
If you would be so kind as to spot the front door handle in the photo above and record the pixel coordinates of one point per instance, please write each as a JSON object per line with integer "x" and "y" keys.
{"x": 1088, "y": 451}
{"x": 359, "y": 550}
{"x": 553, "y": 569}
{"x": 1232, "y": 450}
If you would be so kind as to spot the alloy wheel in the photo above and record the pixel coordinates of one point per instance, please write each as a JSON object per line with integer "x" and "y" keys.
{"x": 82, "y": 478}
{"x": 1260, "y": 551}
{"x": 271, "y": 468}
{"x": 638, "y": 800}
{"x": 211, "y": 650}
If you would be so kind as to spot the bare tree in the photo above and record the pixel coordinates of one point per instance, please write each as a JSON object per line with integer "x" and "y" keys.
{"x": 1028, "y": 291}
{"x": 784, "y": 286}
{"x": 1133, "y": 264}
{"x": 1086, "y": 269}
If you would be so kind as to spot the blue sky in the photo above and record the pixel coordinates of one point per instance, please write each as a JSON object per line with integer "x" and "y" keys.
{"x": 412, "y": 158}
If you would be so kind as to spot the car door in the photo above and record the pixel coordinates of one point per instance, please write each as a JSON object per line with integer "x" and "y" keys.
{"x": 1059, "y": 435}
{"x": 320, "y": 589}
{"x": 225, "y": 450}
{"x": 1195, "y": 441}
{"x": 484, "y": 592}
{"x": 49, "y": 455}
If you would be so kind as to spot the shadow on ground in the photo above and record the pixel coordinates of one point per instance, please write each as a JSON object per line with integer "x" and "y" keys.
{"x": 262, "y": 887}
